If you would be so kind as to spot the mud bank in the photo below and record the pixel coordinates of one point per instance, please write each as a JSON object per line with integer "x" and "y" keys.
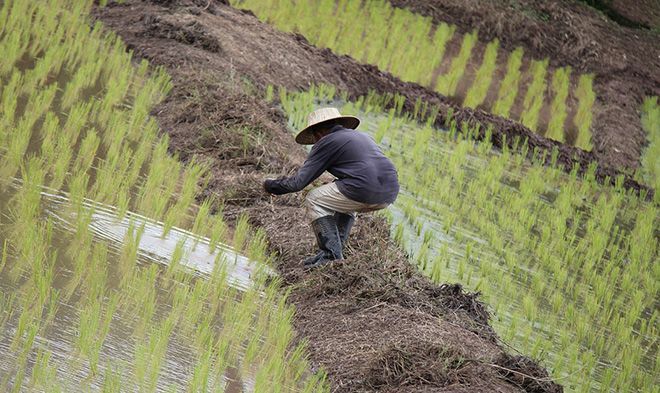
{"x": 372, "y": 322}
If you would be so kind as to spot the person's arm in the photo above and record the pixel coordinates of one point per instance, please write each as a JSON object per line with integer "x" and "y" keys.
{"x": 319, "y": 159}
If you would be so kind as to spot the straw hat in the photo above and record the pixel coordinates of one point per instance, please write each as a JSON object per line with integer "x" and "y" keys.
{"x": 324, "y": 117}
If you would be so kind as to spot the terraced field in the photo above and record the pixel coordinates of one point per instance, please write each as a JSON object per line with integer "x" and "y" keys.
{"x": 473, "y": 73}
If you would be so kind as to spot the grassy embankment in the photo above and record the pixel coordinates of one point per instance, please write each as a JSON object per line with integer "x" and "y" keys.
{"x": 74, "y": 121}
{"x": 412, "y": 48}
{"x": 569, "y": 265}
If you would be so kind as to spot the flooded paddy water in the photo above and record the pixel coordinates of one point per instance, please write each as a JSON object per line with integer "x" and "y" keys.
{"x": 61, "y": 341}
{"x": 569, "y": 266}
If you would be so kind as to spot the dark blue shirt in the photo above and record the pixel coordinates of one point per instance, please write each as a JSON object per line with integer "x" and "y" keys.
{"x": 363, "y": 172}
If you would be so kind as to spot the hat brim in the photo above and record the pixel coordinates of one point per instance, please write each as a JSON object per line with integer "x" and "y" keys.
{"x": 306, "y": 136}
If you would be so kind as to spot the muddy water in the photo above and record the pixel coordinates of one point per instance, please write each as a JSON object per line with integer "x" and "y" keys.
{"x": 118, "y": 350}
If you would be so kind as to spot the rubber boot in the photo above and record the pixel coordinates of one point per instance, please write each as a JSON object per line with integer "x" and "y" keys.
{"x": 327, "y": 238}
{"x": 344, "y": 225}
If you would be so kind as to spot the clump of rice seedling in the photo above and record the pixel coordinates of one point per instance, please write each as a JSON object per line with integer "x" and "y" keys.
{"x": 651, "y": 156}
{"x": 447, "y": 84}
{"x": 509, "y": 85}
{"x": 582, "y": 120}
{"x": 535, "y": 94}
{"x": 443, "y": 34}
{"x": 241, "y": 232}
{"x": 150, "y": 353}
{"x": 560, "y": 82}
{"x": 44, "y": 374}
{"x": 477, "y": 93}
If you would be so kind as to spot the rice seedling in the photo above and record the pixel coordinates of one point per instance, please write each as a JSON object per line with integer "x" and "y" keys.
{"x": 44, "y": 374}
{"x": 447, "y": 84}
{"x": 535, "y": 94}
{"x": 560, "y": 83}
{"x": 482, "y": 81}
{"x": 509, "y": 85}
{"x": 150, "y": 353}
{"x": 583, "y": 117}
{"x": 241, "y": 232}
{"x": 93, "y": 328}
{"x": 111, "y": 380}
{"x": 651, "y": 157}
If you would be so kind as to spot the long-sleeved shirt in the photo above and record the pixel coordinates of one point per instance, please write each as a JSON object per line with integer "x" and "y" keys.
{"x": 363, "y": 172}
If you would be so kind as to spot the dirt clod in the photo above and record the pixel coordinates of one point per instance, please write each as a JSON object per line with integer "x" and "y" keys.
{"x": 525, "y": 373}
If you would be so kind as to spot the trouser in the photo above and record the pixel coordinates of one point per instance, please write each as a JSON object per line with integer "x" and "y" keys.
{"x": 327, "y": 199}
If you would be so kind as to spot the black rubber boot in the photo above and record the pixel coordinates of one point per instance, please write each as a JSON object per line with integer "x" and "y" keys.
{"x": 344, "y": 225}
{"x": 327, "y": 238}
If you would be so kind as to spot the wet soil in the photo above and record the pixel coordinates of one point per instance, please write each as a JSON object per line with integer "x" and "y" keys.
{"x": 624, "y": 60}
{"x": 643, "y": 14}
{"x": 372, "y": 321}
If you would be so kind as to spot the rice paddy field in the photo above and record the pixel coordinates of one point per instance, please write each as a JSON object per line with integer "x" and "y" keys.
{"x": 114, "y": 274}
{"x": 119, "y": 271}
{"x": 569, "y": 266}
{"x": 413, "y": 48}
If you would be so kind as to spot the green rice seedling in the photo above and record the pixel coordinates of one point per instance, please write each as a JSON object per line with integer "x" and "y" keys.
{"x": 583, "y": 117}
{"x": 5, "y": 252}
{"x": 93, "y": 328}
{"x": 241, "y": 232}
{"x": 443, "y": 34}
{"x": 651, "y": 156}
{"x": 128, "y": 256}
{"x": 201, "y": 373}
{"x": 21, "y": 361}
{"x": 257, "y": 248}
{"x": 150, "y": 353}
{"x": 111, "y": 380}
{"x": 7, "y": 309}
{"x": 509, "y": 85}
{"x": 447, "y": 84}
{"x": 60, "y": 165}
{"x": 44, "y": 374}
{"x": 175, "y": 261}
{"x": 477, "y": 93}
{"x": 8, "y": 105}
{"x": 84, "y": 77}
{"x": 535, "y": 94}
{"x": 87, "y": 152}
{"x": 201, "y": 223}
{"x": 143, "y": 297}
{"x": 18, "y": 145}
{"x": 13, "y": 48}
{"x": 218, "y": 230}
{"x": 159, "y": 184}
{"x": 560, "y": 83}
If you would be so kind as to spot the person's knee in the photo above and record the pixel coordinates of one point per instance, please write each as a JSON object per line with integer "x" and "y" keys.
{"x": 311, "y": 199}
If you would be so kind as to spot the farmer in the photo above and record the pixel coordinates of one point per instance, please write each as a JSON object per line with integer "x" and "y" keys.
{"x": 366, "y": 179}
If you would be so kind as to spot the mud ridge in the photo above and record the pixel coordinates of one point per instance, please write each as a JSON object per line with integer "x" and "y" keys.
{"x": 372, "y": 322}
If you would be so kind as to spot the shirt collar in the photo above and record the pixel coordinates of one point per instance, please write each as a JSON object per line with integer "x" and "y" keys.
{"x": 336, "y": 127}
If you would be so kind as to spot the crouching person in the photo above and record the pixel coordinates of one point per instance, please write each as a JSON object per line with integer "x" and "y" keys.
{"x": 366, "y": 179}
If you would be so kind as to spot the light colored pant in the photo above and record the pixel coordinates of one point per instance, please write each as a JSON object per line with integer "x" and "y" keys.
{"x": 327, "y": 199}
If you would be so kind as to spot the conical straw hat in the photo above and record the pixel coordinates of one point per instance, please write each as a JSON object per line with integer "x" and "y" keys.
{"x": 324, "y": 117}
